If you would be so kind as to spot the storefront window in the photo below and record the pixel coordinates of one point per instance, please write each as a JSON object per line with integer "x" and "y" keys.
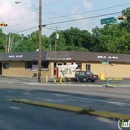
{"x": 88, "y": 67}
{"x": 6, "y": 65}
{"x": 45, "y": 65}
{"x": 28, "y": 65}
{"x": 33, "y": 65}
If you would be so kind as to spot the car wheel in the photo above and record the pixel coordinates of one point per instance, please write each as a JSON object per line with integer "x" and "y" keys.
{"x": 84, "y": 79}
{"x": 92, "y": 80}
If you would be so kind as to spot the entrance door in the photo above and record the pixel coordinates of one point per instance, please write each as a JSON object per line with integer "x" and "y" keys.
{"x": 0, "y": 68}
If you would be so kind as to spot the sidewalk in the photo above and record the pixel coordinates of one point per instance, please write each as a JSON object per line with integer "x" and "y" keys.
{"x": 62, "y": 84}
{"x": 74, "y": 84}
{"x": 121, "y": 91}
{"x": 33, "y": 81}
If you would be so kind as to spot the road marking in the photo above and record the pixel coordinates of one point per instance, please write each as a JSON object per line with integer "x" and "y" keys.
{"x": 8, "y": 96}
{"x": 98, "y": 100}
{"x": 26, "y": 93}
{"x": 14, "y": 107}
{"x": 105, "y": 120}
{"x": 39, "y": 98}
{"x": 119, "y": 103}
{"x": 51, "y": 100}
{"x": 10, "y": 91}
{"x": 62, "y": 95}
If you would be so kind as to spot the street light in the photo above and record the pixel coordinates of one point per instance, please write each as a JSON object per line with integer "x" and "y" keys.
{"x": 19, "y": 2}
{"x": 39, "y": 39}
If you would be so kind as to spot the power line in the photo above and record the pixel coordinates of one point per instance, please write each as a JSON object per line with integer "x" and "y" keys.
{"x": 73, "y": 20}
{"x": 50, "y": 28}
{"x": 35, "y": 10}
{"x": 18, "y": 24}
{"x": 26, "y": 30}
{"x": 67, "y": 32}
{"x": 20, "y": 16}
{"x": 91, "y": 11}
{"x": 53, "y": 3}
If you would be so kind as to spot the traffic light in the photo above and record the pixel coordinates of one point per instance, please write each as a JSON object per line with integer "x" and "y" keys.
{"x": 122, "y": 17}
{"x": 3, "y": 24}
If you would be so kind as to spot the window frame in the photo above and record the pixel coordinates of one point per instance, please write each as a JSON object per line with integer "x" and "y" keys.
{"x": 28, "y": 69}
{"x": 5, "y": 64}
{"x": 88, "y": 66}
{"x": 34, "y": 66}
{"x": 45, "y": 68}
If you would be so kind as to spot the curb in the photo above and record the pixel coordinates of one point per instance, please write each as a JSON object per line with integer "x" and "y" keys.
{"x": 62, "y": 84}
{"x": 112, "y": 79}
{"x": 78, "y": 110}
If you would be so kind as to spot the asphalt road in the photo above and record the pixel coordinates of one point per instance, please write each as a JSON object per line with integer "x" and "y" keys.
{"x": 15, "y": 116}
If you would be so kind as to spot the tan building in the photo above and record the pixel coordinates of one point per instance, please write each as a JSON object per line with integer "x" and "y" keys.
{"x": 24, "y": 64}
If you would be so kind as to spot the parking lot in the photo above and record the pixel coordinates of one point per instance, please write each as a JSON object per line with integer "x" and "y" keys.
{"x": 119, "y": 83}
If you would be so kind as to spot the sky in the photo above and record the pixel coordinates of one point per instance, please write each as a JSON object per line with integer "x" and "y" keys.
{"x": 25, "y": 15}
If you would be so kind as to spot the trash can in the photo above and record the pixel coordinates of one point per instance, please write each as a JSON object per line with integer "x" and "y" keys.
{"x": 35, "y": 75}
{"x": 102, "y": 76}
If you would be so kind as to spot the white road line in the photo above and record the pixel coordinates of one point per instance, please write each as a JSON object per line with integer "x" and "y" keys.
{"x": 98, "y": 100}
{"x": 26, "y": 93}
{"x": 119, "y": 103}
{"x": 14, "y": 107}
{"x": 51, "y": 100}
{"x": 61, "y": 95}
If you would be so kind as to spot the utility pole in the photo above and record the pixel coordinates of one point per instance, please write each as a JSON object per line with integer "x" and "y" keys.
{"x": 9, "y": 44}
{"x": 50, "y": 46}
{"x": 39, "y": 41}
{"x": 56, "y": 38}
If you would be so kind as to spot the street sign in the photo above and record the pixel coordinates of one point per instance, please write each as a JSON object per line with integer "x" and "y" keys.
{"x": 74, "y": 65}
{"x": 107, "y": 20}
{"x": 105, "y": 62}
{"x": 67, "y": 71}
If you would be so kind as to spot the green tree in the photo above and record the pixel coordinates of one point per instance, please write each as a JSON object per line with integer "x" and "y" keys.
{"x": 60, "y": 42}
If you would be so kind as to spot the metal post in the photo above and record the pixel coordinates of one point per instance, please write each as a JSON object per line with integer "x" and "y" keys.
{"x": 39, "y": 41}
{"x": 107, "y": 81}
{"x": 56, "y": 38}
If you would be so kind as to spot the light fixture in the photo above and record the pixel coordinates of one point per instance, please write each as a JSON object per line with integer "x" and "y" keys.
{"x": 17, "y": 2}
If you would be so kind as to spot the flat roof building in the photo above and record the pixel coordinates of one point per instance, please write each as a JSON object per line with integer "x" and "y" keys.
{"x": 24, "y": 64}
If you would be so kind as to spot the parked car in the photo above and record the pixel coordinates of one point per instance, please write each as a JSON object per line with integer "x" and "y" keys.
{"x": 85, "y": 76}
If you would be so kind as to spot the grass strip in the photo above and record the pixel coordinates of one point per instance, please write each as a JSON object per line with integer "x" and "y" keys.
{"x": 78, "y": 110}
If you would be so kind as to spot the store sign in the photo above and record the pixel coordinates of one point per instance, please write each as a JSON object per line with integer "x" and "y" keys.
{"x": 15, "y": 56}
{"x": 34, "y": 67}
{"x": 107, "y": 57}
{"x": 59, "y": 59}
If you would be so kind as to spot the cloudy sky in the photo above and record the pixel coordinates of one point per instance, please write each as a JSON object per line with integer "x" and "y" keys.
{"x": 24, "y": 15}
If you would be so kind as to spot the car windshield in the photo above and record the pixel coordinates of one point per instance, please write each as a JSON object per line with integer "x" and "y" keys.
{"x": 89, "y": 73}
